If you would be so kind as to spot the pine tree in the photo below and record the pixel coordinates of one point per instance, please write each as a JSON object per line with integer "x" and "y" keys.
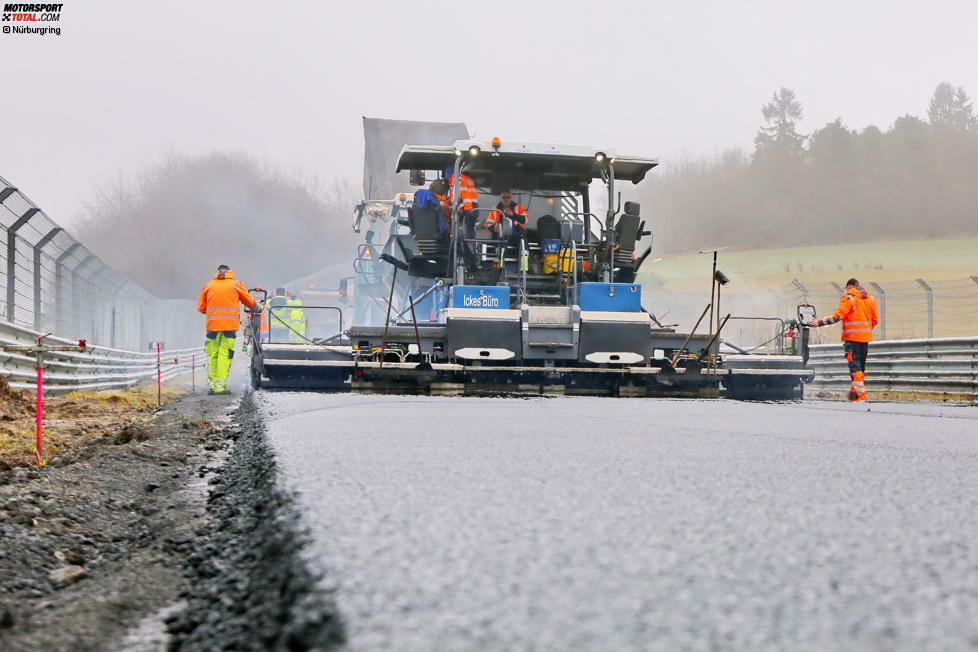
{"x": 778, "y": 134}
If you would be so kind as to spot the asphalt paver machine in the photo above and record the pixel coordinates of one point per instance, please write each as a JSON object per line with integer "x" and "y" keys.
{"x": 491, "y": 307}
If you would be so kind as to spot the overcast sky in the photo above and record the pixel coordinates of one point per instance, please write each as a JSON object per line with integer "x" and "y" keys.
{"x": 288, "y": 81}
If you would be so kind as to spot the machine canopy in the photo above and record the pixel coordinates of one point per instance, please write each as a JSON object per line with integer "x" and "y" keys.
{"x": 526, "y": 166}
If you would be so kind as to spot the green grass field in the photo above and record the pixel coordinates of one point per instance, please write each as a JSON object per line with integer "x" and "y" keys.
{"x": 762, "y": 283}
{"x": 938, "y": 259}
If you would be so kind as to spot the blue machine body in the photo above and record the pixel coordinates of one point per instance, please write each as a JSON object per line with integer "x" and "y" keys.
{"x": 427, "y": 309}
{"x": 550, "y": 246}
{"x": 610, "y": 297}
{"x": 479, "y": 296}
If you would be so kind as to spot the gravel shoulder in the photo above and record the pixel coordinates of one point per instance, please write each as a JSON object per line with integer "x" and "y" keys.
{"x": 97, "y": 539}
{"x": 167, "y": 531}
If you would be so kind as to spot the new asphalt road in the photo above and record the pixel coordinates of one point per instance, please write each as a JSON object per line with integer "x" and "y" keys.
{"x": 637, "y": 524}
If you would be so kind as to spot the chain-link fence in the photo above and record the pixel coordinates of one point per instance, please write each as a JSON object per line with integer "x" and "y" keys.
{"x": 50, "y": 282}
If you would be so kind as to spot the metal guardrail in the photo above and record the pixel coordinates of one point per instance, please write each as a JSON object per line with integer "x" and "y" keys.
{"x": 102, "y": 368}
{"x": 940, "y": 368}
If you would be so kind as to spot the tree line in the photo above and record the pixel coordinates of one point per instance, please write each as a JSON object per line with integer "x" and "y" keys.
{"x": 914, "y": 180}
{"x": 170, "y": 226}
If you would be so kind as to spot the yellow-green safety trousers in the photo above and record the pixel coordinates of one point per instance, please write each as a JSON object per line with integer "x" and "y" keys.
{"x": 220, "y": 352}
{"x": 296, "y": 321}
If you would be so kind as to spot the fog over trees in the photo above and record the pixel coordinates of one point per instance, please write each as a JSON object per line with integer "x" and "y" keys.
{"x": 170, "y": 226}
{"x": 913, "y": 180}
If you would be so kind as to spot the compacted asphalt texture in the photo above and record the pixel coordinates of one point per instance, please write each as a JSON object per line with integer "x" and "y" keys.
{"x": 639, "y": 524}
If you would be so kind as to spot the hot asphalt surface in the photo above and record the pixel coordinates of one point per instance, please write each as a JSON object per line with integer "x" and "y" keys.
{"x": 580, "y": 523}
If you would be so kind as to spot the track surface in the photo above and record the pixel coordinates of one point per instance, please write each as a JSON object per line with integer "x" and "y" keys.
{"x": 578, "y": 523}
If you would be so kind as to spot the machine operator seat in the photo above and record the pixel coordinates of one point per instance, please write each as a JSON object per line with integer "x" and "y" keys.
{"x": 626, "y": 236}
{"x": 433, "y": 258}
{"x": 548, "y": 228}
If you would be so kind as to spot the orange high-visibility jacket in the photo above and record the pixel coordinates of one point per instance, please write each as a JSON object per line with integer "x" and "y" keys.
{"x": 857, "y": 312}
{"x": 519, "y": 215}
{"x": 219, "y": 300}
{"x": 468, "y": 197}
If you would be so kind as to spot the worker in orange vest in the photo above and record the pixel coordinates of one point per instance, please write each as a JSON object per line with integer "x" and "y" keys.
{"x": 468, "y": 199}
{"x": 857, "y": 312}
{"x": 219, "y": 301}
{"x": 512, "y": 210}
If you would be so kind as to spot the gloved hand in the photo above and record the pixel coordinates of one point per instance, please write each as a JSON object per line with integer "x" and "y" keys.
{"x": 812, "y": 324}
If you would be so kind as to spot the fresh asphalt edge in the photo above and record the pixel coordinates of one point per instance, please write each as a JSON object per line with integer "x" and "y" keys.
{"x": 250, "y": 587}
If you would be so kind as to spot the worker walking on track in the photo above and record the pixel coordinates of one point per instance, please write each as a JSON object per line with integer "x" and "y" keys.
{"x": 857, "y": 312}
{"x": 219, "y": 300}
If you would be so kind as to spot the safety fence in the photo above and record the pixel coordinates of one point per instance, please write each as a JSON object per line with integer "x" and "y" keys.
{"x": 910, "y": 309}
{"x": 50, "y": 282}
{"x": 920, "y": 308}
{"x": 933, "y": 369}
{"x": 98, "y": 369}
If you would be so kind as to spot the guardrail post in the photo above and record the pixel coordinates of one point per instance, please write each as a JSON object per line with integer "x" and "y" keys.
{"x": 838, "y": 288}
{"x": 12, "y": 259}
{"x": 930, "y": 307}
{"x": 882, "y": 295}
{"x": 6, "y": 192}
{"x": 37, "y": 273}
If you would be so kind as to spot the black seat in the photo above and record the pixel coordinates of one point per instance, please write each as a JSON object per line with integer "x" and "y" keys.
{"x": 548, "y": 228}
{"x": 626, "y": 236}
{"x": 431, "y": 259}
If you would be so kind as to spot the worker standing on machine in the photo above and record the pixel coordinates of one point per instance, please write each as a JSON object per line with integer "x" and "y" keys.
{"x": 278, "y": 317}
{"x": 219, "y": 300}
{"x": 468, "y": 199}
{"x": 857, "y": 312}
{"x": 296, "y": 319}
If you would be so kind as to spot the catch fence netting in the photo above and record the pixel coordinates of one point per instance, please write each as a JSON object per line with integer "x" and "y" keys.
{"x": 51, "y": 283}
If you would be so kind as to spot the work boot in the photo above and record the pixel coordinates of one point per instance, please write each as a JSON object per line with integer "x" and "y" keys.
{"x": 853, "y": 396}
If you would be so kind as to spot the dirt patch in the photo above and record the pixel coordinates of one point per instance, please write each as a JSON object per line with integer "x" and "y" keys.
{"x": 14, "y": 403}
{"x": 71, "y": 421}
{"x": 99, "y": 538}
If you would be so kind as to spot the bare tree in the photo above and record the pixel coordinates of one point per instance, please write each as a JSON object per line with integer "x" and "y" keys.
{"x": 170, "y": 226}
